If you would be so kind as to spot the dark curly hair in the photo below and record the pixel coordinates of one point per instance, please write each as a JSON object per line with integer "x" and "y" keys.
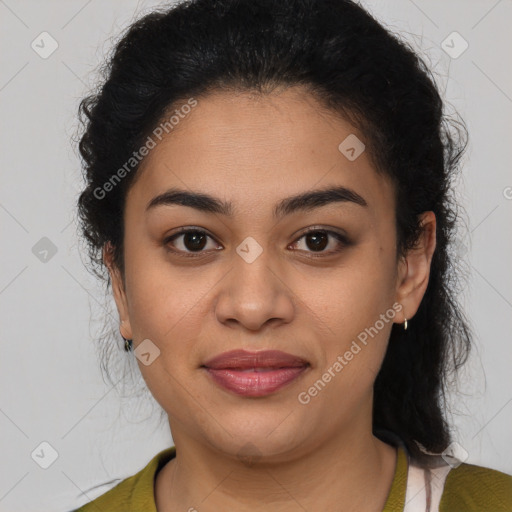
{"x": 355, "y": 67}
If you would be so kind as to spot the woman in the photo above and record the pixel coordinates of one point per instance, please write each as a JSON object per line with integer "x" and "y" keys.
{"x": 268, "y": 185}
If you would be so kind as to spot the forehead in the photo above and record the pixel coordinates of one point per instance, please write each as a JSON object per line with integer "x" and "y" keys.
{"x": 254, "y": 150}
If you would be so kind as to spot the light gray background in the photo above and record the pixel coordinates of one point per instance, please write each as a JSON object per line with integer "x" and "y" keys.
{"x": 51, "y": 385}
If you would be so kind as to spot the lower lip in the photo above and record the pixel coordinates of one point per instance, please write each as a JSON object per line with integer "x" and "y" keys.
{"x": 255, "y": 383}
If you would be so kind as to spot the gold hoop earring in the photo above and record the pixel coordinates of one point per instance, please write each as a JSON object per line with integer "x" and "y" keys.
{"x": 405, "y": 325}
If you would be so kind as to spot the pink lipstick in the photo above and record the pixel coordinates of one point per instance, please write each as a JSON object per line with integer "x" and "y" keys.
{"x": 255, "y": 374}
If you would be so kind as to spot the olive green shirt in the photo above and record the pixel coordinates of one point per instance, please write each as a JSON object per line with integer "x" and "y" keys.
{"x": 468, "y": 488}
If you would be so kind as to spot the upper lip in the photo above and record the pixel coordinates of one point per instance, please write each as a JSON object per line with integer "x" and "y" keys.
{"x": 244, "y": 359}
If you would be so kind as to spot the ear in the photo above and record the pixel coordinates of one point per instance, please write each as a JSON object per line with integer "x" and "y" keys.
{"x": 414, "y": 269}
{"x": 119, "y": 292}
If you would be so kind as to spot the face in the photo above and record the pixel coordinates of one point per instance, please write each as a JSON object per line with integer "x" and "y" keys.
{"x": 249, "y": 276}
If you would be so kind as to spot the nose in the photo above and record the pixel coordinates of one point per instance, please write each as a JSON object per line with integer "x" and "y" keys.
{"x": 253, "y": 295}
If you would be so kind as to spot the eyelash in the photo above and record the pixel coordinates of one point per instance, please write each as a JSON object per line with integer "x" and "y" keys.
{"x": 338, "y": 236}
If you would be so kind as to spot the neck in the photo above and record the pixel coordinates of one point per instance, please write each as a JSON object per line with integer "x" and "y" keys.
{"x": 352, "y": 472}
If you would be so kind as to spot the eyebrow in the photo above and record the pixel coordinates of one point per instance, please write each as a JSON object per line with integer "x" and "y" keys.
{"x": 299, "y": 203}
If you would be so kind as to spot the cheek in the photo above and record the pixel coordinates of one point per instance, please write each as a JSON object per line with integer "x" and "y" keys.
{"x": 354, "y": 295}
{"x": 162, "y": 296}
{"x": 356, "y": 310}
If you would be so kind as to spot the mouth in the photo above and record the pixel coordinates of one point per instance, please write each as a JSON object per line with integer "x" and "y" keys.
{"x": 255, "y": 374}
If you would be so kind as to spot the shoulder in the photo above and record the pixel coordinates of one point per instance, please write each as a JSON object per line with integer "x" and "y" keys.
{"x": 476, "y": 488}
{"x": 133, "y": 493}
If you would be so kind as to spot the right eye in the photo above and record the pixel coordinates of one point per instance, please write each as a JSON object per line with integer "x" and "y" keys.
{"x": 193, "y": 242}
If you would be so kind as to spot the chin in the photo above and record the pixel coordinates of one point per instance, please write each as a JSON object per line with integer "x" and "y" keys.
{"x": 256, "y": 437}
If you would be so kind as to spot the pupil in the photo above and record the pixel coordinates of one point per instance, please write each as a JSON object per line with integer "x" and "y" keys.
{"x": 196, "y": 240}
{"x": 317, "y": 244}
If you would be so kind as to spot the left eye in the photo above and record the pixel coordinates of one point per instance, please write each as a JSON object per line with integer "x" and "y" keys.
{"x": 195, "y": 240}
{"x": 318, "y": 239}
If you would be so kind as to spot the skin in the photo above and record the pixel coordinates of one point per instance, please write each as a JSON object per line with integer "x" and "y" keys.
{"x": 254, "y": 151}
